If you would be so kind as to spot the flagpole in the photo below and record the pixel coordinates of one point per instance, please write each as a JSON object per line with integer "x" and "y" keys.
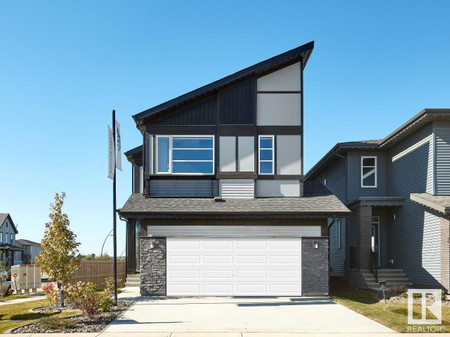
{"x": 114, "y": 209}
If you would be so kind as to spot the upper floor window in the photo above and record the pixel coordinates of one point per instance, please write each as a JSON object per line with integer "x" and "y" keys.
{"x": 1, "y": 237}
{"x": 368, "y": 171}
{"x": 11, "y": 239}
{"x": 6, "y": 224}
{"x": 6, "y": 237}
{"x": 266, "y": 155}
{"x": 185, "y": 154}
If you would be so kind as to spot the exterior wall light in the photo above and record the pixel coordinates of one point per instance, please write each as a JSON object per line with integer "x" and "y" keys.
{"x": 316, "y": 244}
{"x": 152, "y": 245}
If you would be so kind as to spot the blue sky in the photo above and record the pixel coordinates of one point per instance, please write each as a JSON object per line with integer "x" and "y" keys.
{"x": 64, "y": 65}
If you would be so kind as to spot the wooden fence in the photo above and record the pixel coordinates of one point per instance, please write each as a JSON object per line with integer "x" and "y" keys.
{"x": 97, "y": 271}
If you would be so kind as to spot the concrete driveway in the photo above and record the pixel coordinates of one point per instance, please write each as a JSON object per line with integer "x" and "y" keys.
{"x": 234, "y": 314}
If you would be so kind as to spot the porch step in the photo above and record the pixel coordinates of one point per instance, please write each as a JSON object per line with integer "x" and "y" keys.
{"x": 393, "y": 277}
{"x": 133, "y": 280}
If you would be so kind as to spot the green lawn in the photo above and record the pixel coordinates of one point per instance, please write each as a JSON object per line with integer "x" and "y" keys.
{"x": 12, "y": 297}
{"x": 14, "y": 315}
{"x": 392, "y": 315}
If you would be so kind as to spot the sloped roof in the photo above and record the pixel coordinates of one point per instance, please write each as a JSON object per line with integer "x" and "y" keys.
{"x": 293, "y": 55}
{"x": 3, "y": 217}
{"x": 419, "y": 120}
{"x": 317, "y": 201}
{"x": 24, "y": 242}
{"x": 440, "y": 203}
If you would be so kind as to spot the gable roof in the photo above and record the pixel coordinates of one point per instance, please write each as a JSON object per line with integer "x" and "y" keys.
{"x": 318, "y": 201}
{"x": 24, "y": 242}
{"x": 294, "y": 55}
{"x": 419, "y": 120}
{"x": 3, "y": 217}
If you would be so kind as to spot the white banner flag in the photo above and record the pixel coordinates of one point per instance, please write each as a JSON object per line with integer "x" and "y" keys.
{"x": 119, "y": 147}
{"x": 111, "y": 154}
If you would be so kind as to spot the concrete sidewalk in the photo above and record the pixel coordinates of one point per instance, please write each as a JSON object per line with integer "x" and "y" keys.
{"x": 231, "y": 334}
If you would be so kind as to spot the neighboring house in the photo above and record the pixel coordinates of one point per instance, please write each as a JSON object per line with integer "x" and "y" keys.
{"x": 398, "y": 189}
{"x": 219, "y": 206}
{"x": 31, "y": 250}
{"x": 9, "y": 252}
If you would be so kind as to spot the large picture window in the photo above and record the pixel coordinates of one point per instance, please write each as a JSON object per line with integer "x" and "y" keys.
{"x": 185, "y": 154}
{"x": 368, "y": 171}
{"x": 266, "y": 155}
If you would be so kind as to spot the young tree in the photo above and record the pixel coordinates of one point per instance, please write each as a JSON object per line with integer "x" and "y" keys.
{"x": 3, "y": 275}
{"x": 59, "y": 246}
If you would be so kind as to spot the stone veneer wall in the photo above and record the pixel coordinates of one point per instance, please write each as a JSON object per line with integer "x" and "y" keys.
{"x": 445, "y": 254}
{"x": 153, "y": 266}
{"x": 315, "y": 273}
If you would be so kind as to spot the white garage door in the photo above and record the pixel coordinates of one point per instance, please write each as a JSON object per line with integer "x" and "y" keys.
{"x": 234, "y": 266}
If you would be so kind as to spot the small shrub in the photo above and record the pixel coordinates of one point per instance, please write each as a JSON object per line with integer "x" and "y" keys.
{"x": 106, "y": 303}
{"x": 89, "y": 304}
{"x": 56, "y": 324}
{"x": 51, "y": 293}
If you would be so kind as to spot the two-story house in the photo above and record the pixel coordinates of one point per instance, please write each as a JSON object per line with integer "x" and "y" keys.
{"x": 9, "y": 252}
{"x": 398, "y": 189}
{"x": 219, "y": 204}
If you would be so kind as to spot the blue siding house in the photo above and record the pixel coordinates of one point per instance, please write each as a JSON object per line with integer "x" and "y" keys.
{"x": 398, "y": 189}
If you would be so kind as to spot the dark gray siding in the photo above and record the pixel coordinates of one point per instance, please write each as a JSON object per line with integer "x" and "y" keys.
{"x": 202, "y": 113}
{"x": 406, "y": 243}
{"x": 442, "y": 159}
{"x": 355, "y": 190}
{"x": 183, "y": 188}
{"x": 336, "y": 179}
{"x": 237, "y": 104}
{"x": 337, "y": 255}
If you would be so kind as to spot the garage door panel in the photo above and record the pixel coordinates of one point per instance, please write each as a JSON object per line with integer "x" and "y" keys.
{"x": 234, "y": 267}
{"x": 217, "y": 274}
{"x": 217, "y": 244}
{"x": 251, "y": 259}
{"x": 251, "y": 244}
{"x": 284, "y": 244}
{"x": 217, "y": 259}
{"x": 183, "y": 259}
{"x": 250, "y": 289}
{"x": 184, "y": 274}
{"x": 184, "y": 244}
{"x": 251, "y": 274}
{"x": 284, "y": 259}
{"x": 284, "y": 274}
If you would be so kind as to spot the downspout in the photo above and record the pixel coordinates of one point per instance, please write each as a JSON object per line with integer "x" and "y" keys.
{"x": 126, "y": 243}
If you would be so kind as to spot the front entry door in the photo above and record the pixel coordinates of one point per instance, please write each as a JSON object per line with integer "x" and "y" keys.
{"x": 375, "y": 242}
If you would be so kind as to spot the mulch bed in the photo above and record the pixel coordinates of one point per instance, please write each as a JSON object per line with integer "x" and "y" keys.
{"x": 83, "y": 324}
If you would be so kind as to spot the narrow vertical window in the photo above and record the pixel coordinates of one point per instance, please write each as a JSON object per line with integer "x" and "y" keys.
{"x": 368, "y": 171}
{"x": 266, "y": 155}
{"x": 163, "y": 154}
{"x": 338, "y": 234}
{"x": 1, "y": 237}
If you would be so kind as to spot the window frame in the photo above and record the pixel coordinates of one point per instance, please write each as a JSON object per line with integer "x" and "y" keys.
{"x": 263, "y": 160}
{"x": 338, "y": 233}
{"x": 1, "y": 237}
{"x": 170, "y": 171}
{"x": 11, "y": 239}
{"x": 362, "y": 171}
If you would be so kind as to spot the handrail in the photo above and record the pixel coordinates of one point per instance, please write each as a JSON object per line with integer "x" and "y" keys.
{"x": 374, "y": 265}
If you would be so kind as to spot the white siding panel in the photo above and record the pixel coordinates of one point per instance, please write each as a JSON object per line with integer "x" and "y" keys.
{"x": 245, "y": 267}
{"x": 246, "y": 154}
{"x": 431, "y": 249}
{"x": 277, "y": 188}
{"x": 233, "y": 231}
{"x": 442, "y": 161}
{"x": 237, "y": 188}
{"x": 227, "y": 154}
{"x": 278, "y": 109}
{"x": 288, "y": 155}
{"x": 286, "y": 79}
